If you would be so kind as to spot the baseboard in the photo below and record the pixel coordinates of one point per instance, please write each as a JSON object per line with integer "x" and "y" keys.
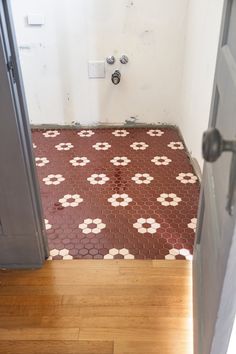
{"x": 194, "y": 162}
{"x": 103, "y": 125}
{"x": 196, "y": 167}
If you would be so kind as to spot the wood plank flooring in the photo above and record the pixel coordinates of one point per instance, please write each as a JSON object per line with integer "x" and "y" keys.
{"x": 97, "y": 307}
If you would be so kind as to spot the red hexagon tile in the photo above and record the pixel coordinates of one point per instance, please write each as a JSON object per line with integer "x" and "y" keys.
{"x": 116, "y": 193}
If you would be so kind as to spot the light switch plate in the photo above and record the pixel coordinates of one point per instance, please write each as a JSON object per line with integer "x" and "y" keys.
{"x": 96, "y": 69}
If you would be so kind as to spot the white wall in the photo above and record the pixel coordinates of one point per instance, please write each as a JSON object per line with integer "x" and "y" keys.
{"x": 232, "y": 343}
{"x": 172, "y": 46}
{"x": 150, "y": 32}
{"x": 202, "y": 35}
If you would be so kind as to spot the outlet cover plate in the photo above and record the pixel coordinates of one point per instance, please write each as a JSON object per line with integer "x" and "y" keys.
{"x": 35, "y": 19}
{"x": 96, "y": 69}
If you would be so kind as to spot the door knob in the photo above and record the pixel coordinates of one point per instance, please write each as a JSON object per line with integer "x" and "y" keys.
{"x": 213, "y": 145}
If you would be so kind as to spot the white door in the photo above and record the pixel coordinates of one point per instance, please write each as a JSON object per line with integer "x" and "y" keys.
{"x": 214, "y": 273}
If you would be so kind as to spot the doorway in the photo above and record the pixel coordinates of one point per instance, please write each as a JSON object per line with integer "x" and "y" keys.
{"x": 114, "y": 183}
{"x": 144, "y": 225}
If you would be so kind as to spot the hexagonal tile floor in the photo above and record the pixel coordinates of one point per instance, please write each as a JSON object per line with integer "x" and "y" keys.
{"x": 117, "y": 193}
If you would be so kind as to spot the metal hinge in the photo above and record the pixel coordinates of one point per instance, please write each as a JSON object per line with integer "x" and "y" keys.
{"x": 1, "y": 229}
{"x": 11, "y": 68}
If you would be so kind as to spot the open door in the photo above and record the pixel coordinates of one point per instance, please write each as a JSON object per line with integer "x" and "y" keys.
{"x": 215, "y": 249}
{"x": 22, "y": 236}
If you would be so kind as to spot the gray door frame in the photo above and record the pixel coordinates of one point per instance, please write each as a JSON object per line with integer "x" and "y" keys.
{"x": 23, "y": 241}
{"x": 226, "y": 300}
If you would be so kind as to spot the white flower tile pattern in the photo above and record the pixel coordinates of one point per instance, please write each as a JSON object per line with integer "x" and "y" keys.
{"x": 193, "y": 224}
{"x": 64, "y": 146}
{"x": 176, "y": 145}
{"x": 161, "y": 160}
{"x": 169, "y": 199}
{"x": 139, "y": 146}
{"x": 101, "y": 146}
{"x": 94, "y": 226}
{"x": 142, "y": 178}
{"x": 120, "y": 161}
{"x": 85, "y": 133}
{"x": 71, "y": 200}
{"x": 186, "y": 178}
{"x": 60, "y": 254}
{"x": 155, "y": 132}
{"x": 98, "y": 178}
{"x": 175, "y": 253}
{"x": 51, "y": 133}
{"x": 146, "y": 226}
{"x": 53, "y": 179}
{"x": 47, "y": 225}
{"x": 115, "y": 253}
{"x": 79, "y": 161}
{"x": 120, "y": 132}
{"x": 41, "y": 161}
{"x": 120, "y": 200}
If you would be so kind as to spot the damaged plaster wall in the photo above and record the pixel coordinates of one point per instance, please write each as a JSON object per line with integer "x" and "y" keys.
{"x": 54, "y": 59}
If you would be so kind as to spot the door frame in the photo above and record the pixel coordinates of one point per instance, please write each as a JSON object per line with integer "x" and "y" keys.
{"x": 19, "y": 121}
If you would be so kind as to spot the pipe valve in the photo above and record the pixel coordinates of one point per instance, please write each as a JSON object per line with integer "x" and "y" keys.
{"x": 115, "y": 77}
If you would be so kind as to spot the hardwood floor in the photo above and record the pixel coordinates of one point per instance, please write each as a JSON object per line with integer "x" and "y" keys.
{"x": 97, "y": 307}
